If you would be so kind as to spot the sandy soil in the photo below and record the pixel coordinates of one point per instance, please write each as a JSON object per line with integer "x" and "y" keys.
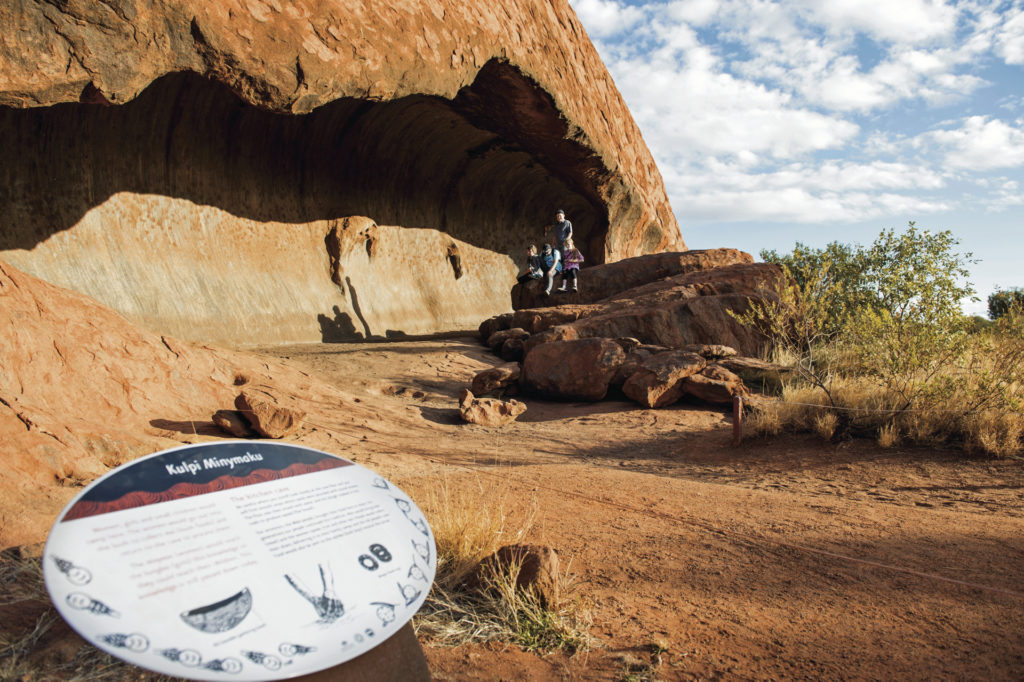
{"x": 790, "y": 558}
{"x": 782, "y": 559}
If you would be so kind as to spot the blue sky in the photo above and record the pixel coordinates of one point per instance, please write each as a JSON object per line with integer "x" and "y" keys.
{"x": 823, "y": 120}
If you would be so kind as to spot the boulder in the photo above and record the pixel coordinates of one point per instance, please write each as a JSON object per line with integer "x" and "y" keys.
{"x": 692, "y": 308}
{"x": 762, "y": 375}
{"x": 512, "y": 349}
{"x": 234, "y": 423}
{"x": 572, "y": 370}
{"x": 498, "y": 339}
{"x": 714, "y": 384}
{"x": 534, "y": 567}
{"x": 494, "y": 324}
{"x": 599, "y": 282}
{"x": 495, "y": 378}
{"x": 488, "y": 411}
{"x": 634, "y": 359}
{"x": 267, "y": 415}
{"x": 659, "y": 380}
{"x": 558, "y": 333}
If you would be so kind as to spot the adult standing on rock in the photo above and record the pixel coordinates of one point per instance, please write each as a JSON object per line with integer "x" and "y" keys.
{"x": 562, "y": 229}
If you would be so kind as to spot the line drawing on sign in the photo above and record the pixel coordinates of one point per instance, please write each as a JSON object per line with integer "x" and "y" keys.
{"x": 224, "y": 665}
{"x": 187, "y": 657}
{"x": 134, "y": 642}
{"x": 327, "y": 605}
{"x": 268, "y": 661}
{"x": 76, "y": 575}
{"x": 385, "y": 611}
{"x": 222, "y": 615}
{"x": 83, "y": 602}
{"x": 409, "y": 592}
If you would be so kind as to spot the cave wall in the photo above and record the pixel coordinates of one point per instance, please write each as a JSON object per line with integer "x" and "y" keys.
{"x": 188, "y": 163}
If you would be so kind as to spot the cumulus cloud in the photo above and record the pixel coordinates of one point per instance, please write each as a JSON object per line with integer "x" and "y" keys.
{"x": 607, "y": 18}
{"x": 807, "y": 111}
{"x": 982, "y": 144}
{"x": 907, "y": 21}
{"x": 1010, "y": 37}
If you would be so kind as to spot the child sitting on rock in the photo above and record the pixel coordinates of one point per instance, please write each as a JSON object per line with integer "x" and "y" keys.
{"x": 533, "y": 269}
{"x": 551, "y": 265}
{"x": 572, "y": 260}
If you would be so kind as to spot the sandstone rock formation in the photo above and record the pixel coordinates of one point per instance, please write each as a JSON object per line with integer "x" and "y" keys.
{"x": 82, "y": 390}
{"x": 255, "y": 172}
{"x": 604, "y": 281}
{"x": 574, "y": 370}
{"x": 661, "y": 339}
{"x": 659, "y": 380}
{"x": 495, "y": 378}
{"x": 676, "y": 311}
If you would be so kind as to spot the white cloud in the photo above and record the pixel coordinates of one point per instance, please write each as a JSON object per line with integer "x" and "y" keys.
{"x": 606, "y": 18}
{"x": 906, "y": 21}
{"x": 981, "y": 144}
{"x": 1010, "y": 37}
{"x": 836, "y": 192}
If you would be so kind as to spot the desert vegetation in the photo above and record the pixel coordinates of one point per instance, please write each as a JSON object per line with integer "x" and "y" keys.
{"x": 881, "y": 348}
{"x": 476, "y": 599}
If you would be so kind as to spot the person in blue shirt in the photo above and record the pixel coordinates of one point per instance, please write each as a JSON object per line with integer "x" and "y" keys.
{"x": 551, "y": 264}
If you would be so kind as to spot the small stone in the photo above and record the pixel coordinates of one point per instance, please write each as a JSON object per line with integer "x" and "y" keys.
{"x": 488, "y": 411}
{"x": 269, "y": 418}
{"x": 234, "y": 423}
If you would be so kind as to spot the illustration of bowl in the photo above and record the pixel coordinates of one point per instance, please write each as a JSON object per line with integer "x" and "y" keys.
{"x": 220, "y": 616}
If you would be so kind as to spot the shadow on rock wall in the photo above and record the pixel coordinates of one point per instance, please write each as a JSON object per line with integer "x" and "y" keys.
{"x": 477, "y": 167}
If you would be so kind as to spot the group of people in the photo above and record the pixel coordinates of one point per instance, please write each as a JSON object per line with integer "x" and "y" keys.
{"x": 562, "y": 258}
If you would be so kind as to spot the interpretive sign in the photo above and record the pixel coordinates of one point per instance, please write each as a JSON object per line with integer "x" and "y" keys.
{"x": 242, "y": 560}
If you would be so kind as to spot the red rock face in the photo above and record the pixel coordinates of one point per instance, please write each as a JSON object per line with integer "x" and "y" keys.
{"x": 251, "y": 171}
{"x": 82, "y": 390}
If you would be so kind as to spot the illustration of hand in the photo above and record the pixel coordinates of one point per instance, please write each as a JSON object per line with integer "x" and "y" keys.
{"x": 326, "y": 605}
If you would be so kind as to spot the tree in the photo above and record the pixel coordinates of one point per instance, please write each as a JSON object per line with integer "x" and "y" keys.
{"x": 895, "y": 306}
{"x": 1002, "y": 301}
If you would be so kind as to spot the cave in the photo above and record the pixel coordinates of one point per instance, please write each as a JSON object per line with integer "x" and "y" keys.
{"x": 202, "y": 216}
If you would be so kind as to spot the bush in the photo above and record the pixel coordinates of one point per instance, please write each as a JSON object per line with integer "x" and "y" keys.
{"x": 883, "y": 349}
{"x": 1002, "y": 301}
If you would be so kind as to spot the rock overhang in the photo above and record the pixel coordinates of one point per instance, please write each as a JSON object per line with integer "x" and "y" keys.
{"x": 448, "y": 119}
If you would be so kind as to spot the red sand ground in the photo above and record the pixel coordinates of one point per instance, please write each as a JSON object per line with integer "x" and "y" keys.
{"x": 783, "y": 559}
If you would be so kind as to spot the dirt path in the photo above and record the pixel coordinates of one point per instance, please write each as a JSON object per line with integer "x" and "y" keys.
{"x": 758, "y": 562}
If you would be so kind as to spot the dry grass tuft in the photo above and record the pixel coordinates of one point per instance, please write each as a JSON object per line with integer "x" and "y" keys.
{"x": 471, "y": 522}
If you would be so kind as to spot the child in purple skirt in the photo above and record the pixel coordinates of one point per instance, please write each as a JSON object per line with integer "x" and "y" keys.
{"x": 571, "y": 260}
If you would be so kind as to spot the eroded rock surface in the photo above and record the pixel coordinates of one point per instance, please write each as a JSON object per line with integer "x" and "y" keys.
{"x": 604, "y": 281}
{"x": 488, "y": 411}
{"x": 572, "y": 370}
{"x": 251, "y": 172}
{"x": 83, "y": 390}
{"x": 690, "y": 310}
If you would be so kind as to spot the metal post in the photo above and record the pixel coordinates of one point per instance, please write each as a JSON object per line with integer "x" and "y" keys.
{"x": 737, "y": 420}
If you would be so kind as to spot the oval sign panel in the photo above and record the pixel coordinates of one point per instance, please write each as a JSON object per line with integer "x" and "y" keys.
{"x": 242, "y": 560}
